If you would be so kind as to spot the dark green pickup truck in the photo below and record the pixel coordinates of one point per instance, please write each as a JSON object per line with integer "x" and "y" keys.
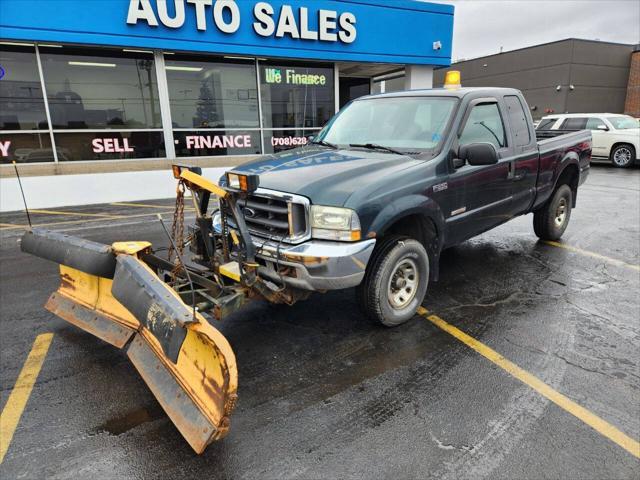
{"x": 394, "y": 179}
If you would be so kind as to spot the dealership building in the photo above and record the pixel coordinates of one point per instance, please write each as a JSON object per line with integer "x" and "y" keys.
{"x": 567, "y": 76}
{"x": 110, "y": 86}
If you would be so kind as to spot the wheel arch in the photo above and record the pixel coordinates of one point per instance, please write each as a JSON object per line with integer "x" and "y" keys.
{"x": 569, "y": 175}
{"x": 416, "y": 217}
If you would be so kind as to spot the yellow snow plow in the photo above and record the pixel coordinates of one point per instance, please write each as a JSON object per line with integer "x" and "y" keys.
{"x": 158, "y": 308}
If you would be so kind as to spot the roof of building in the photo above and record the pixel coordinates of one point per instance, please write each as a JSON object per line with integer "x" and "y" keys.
{"x": 636, "y": 46}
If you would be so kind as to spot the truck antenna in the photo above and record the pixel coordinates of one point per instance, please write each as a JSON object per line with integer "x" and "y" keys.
{"x": 182, "y": 264}
{"x": 24, "y": 200}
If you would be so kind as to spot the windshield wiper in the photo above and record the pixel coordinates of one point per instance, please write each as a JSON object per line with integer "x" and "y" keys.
{"x": 375, "y": 146}
{"x": 325, "y": 144}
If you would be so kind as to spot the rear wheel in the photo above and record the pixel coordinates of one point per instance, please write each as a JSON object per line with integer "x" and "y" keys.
{"x": 396, "y": 281}
{"x": 550, "y": 221}
{"x": 623, "y": 156}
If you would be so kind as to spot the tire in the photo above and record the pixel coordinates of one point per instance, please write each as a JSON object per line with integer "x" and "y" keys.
{"x": 550, "y": 221}
{"x": 623, "y": 156}
{"x": 396, "y": 281}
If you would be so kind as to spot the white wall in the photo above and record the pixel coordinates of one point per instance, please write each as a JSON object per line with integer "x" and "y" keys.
{"x": 86, "y": 189}
{"x": 418, "y": 76}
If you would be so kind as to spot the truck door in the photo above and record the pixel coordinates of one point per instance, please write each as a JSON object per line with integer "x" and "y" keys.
{"x": 483, "y": 192}
{"x": 524, "y": 164}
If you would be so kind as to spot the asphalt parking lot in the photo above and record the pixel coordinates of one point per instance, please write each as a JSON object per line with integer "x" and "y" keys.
{"x": 323, "y": 393}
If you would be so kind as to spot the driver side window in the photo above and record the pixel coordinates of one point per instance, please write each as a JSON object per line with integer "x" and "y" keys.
{"x": 484, "y": 125}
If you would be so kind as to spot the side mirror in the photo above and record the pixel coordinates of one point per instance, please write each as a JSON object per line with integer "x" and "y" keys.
{"x": 603, "y": 128}
{"x": 478, "y": 153}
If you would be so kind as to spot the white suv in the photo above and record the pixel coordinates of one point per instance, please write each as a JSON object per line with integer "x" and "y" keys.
{"x": 615, "y": 136}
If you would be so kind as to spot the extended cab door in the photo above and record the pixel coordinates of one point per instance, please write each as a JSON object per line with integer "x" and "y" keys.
{"x": 525, "y": 159}
{"x": 483, "y": 192}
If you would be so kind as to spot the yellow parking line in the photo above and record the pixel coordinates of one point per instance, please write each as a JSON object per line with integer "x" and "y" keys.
{"x": 10, "y": 225}
{"x": 142, "y": 205}
{"x": 19, "y": 396}
{"x": 613, "y": 261}
{"x": 599, "y": 425}
{"x": 73, "y": 222}
{"x": 74, "y": 214}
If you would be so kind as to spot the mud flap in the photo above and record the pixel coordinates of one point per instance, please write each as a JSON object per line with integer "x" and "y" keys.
{"x": 188, "y": 365}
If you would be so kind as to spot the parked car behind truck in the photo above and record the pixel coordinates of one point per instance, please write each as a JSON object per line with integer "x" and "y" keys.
{"x": 615, "y": 137}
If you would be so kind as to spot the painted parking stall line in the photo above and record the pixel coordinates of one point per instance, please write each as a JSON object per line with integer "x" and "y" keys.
{"x": 613, "y": 261}
{"x": 74, "y": 214}
{"x": 599, "y": 425}
{"x": 86, "y": 220}
{"x": 21, "y": 392}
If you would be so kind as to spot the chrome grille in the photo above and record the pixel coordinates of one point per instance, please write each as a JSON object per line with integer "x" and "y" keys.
{"x": 276, "y": 215}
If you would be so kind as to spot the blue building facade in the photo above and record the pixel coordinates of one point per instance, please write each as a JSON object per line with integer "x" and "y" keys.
{"x": 146, "y": 79}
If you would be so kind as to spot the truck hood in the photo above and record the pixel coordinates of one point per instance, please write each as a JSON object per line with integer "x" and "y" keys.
{"x": 325, "y": 176}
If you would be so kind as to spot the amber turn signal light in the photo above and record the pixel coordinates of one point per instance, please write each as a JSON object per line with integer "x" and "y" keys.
{"x": 243, "y": 182}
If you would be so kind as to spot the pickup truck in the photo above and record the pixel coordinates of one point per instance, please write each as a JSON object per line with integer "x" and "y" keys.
{"x": 393, "y": 179}
{"x": 371, "y": 202}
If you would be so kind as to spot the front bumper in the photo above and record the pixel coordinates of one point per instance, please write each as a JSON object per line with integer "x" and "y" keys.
{"x": 315, "y": 265}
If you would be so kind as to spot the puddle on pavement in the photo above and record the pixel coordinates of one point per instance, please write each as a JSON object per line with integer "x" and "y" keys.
{"x": 130, "y": 420}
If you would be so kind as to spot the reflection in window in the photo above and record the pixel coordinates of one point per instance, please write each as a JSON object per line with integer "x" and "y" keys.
{"x": 26, "y": 147}
{"x": 296, "y": 96}
{"x": 210, "y": 93}
{"x": 109, "y": 145}
{"x": 21, "y": 102}
{"x": 108, "y": 89}
{"x": 484, "y": 125}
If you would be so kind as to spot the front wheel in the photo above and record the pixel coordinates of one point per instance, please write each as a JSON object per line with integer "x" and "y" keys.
{"x": 623, "y": 156}
{"x": 396, "y": 281}
{"x": 551, "y": 220}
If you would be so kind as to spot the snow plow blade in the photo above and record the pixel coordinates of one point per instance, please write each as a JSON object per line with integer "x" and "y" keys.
{"x": 109, "y": 292}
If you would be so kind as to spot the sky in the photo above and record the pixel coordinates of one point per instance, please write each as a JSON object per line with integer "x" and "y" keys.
{"x": 482, "y": 27}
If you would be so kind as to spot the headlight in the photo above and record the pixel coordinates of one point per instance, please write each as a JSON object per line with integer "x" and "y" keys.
{"x": 333, "y": 223}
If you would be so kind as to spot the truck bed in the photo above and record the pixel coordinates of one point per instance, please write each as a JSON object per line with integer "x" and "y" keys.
{"x": 553, "y": 139}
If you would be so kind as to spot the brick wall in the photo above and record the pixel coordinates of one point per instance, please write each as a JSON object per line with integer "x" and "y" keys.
{"x": 632, "y": 104}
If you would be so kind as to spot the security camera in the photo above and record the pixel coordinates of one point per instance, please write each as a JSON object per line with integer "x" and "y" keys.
{"x": 437, "y": 45}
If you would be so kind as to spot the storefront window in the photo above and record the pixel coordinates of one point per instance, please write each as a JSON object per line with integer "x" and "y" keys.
{"x": 109, "y": 89}
{"x": 209, "y": 143}
{"x": 212, "y": 93}
{"x": 109, "y": 145}
{"x": 280, "y": 140}
{"x": 296, "y": 96}
{"x": 25, "y": 147}
{"x": 21, "y": 100}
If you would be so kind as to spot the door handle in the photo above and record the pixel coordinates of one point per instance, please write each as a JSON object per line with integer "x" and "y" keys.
{"x": 513, "y": 175}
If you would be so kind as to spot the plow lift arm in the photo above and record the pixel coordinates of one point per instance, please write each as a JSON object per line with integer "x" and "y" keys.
{"x": 128, "y": 296}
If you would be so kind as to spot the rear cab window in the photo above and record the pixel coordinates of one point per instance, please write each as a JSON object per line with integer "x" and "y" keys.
{"x": 518, "y": 121}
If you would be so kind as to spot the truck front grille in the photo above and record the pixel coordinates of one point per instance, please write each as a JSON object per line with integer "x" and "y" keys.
{"x": 275, "y": 216}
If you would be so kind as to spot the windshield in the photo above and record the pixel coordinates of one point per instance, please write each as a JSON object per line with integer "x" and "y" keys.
{"x": 623, "y": 123}
{"x": 407, "y": 124}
